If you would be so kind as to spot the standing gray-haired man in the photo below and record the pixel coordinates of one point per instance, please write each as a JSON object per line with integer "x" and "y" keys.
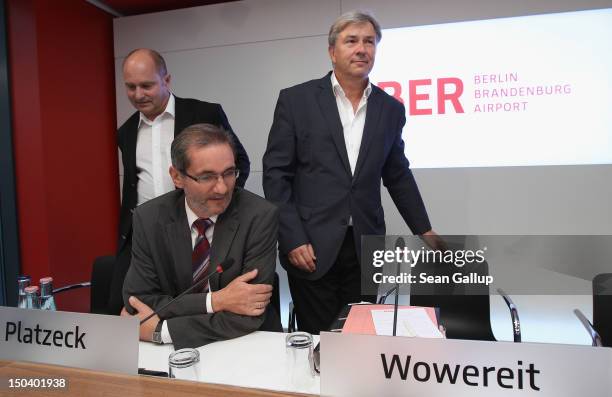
{"x": 331, "y": 143}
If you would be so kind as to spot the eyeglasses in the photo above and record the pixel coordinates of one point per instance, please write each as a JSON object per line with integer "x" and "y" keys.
{"x": 210, "y": 178}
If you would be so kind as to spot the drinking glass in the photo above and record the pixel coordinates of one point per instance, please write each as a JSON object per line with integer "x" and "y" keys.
{"x": 300, "y": 369}
{"x": 184, "y": 364}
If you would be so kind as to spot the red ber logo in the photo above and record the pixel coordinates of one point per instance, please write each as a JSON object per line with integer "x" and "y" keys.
{"x": 448, "y": 89}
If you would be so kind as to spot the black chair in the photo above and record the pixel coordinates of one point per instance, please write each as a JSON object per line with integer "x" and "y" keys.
{"x": 292, "y": 324}
{"x": 464, "y": 310}
{"x": 101, "y": 277}
{"x": 602, "y": 307}
{"x": 275, "y": 300}
{"x": 272, "y": 322}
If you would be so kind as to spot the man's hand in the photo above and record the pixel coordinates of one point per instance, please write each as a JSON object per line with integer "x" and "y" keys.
{"x": 240, "y": 297}
{"x": 146, "y": 329}
{"x": 303, "y": 257}
{"x": 434, "y": 241}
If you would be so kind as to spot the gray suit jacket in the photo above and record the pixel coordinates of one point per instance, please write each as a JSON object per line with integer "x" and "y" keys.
{"x": 161, "y": 263}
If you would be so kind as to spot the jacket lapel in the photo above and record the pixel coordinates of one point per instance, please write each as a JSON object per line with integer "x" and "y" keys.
{"x": 370, "y": 128}
{"x": 130, "y": 142}
{"x": 223, "y": 236}
{"x": 329, "y": 109}
{"x": 182, "y": 115}
{"x": 178, "y": 235}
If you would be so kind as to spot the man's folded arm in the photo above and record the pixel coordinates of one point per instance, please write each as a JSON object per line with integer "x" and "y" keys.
{"x": 142, "y": 280}
{"x": 260, "y": 254}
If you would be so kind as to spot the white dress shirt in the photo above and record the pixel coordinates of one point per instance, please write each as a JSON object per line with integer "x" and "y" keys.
{"x": 352, "y": 121}
{"x": 191, "y": 218}
{"x": 153, "y": 153}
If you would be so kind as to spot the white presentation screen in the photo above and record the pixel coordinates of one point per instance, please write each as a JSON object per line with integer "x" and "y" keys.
{"x": 523, "y": 91}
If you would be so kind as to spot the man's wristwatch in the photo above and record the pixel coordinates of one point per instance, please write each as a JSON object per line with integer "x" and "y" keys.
{"x": 157, "y": 333}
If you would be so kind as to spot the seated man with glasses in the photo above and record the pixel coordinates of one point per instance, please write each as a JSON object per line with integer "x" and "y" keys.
{"x": 180, "y": 238}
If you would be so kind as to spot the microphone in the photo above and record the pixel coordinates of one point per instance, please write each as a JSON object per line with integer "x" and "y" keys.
{"x": 226, "y": 264}
{"x": 399, "y": 243}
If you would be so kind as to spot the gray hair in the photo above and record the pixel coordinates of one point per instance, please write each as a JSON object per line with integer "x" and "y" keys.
{"x": 197, "y": 136}
{"x": 350, "y": 18}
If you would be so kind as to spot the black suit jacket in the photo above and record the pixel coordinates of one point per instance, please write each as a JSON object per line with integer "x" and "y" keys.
{"x": 306, "y": 172}
{"x": 187, "y": 112}
{"x": 161, "y": 263}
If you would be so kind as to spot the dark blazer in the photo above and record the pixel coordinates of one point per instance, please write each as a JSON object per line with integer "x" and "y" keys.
{"x": 306, "y": 172}
{"x": 161, "y": 263}
{"x": 187, "y": 112}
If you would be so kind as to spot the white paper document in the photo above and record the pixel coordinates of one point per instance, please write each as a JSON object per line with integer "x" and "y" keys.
{"x": 410, "y": 322}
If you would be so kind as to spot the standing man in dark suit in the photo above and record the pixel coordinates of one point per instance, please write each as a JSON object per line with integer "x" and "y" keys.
{"x": 331, "y": 143}
{"x": 144, "y": 140}
{"x": 181, "y": 236}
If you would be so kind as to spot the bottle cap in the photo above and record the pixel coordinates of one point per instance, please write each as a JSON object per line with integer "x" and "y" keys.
{"x": 46, "y": 280}
{"x": 32, "y": 289}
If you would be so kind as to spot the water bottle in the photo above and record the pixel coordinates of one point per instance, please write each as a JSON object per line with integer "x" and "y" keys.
{"x": 22, "y": 283}
{"x": 47, "y": 302}
{"x": 32, "y": 299}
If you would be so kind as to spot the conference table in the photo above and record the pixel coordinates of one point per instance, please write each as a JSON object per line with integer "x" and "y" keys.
{"x": 254, "y": 365}
{"x": 84, "y": 382}
{"x": 258, "y": 364}
{"x": 258, "y": 360}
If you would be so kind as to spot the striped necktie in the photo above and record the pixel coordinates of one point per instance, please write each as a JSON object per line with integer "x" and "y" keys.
{"x": 200, "y": 257}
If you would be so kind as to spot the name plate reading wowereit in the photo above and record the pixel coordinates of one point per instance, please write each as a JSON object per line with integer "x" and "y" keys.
{"x": 367, "y": 365}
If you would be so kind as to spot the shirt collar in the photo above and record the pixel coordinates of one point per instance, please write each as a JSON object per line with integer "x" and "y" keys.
{"x": 339, "y": 91}
{"x": 170, "y": 106}
{"x": 192, "y": 217}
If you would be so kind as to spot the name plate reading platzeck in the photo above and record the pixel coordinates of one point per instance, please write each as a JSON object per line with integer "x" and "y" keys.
{"x": 91, "y": 341}
{"x": 368, "y": 365}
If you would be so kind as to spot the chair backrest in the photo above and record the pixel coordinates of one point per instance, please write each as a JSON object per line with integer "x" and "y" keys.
{"x": 602, "y": 307}
{"x": 464, "y": 308}
{"x": 101, "y": 278}
{"x": 275, "y": 299}
{"x": 272, "y": 321}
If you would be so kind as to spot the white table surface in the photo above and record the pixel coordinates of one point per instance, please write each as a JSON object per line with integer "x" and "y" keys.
{"x": 257, "y": 360}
